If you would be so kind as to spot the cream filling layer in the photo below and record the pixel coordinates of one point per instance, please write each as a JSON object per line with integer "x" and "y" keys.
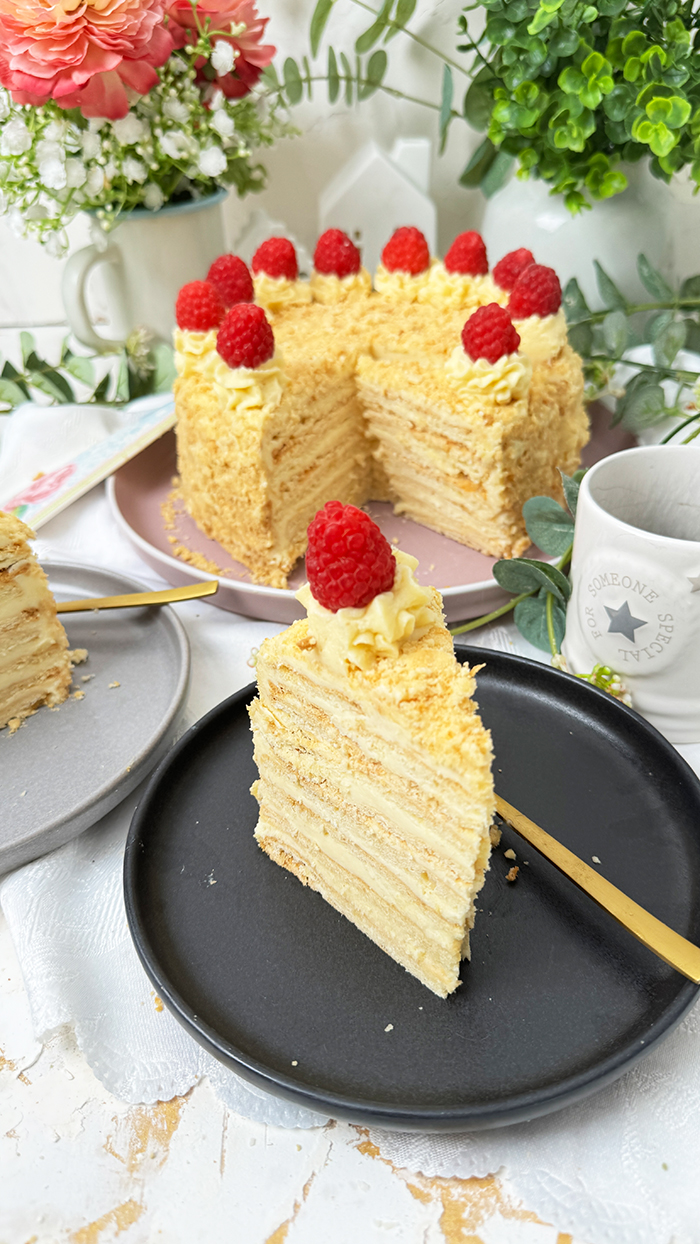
{"x": 504, "y": 381}
{"x": 359, "y": 637}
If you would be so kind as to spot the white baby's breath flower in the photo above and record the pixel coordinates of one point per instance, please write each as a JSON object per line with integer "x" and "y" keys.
{"x": 216, "y": 98}
{"x": 222, "y": 123}
{"x": 129, "y": 130}
{"x": 5, "y": 105}
{"x": 46, "y": 149}
{"x": 111, "y": 170}
{"x": 76, "y": 174}
{"x": 91, "y": 144}
{"x": 57, "y": 244}
{"x": 16, "y": 138}
{"x": 153, "y": 197}
{"x": 55, "y": 130}
{"x": 222, "y": 57}
{"x": 95, "y": 124}
{"x": 52, "y": 173}
{"x": 134, "y": 170}
{"x": 175, "y": 110}
{"x": 16, "y": 222}
{"x": 174, "y": 144}
{"x": 4, "y": 203}
{"x": 212, "y": 161}
{"x": 95, "y": 181}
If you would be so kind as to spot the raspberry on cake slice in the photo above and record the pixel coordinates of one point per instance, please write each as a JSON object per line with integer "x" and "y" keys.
{"x": 245, "y": 338}
{"x": 199, "y": 310}
{"x": 462, "y": 280}
{"x": 375, "y": 784}
{"x": 276, "y": 281}
{"x": 509, "y": 268}
{"x": 405, "y": 266}
{"x": 536, "y": 310}
{"x": 487, "y": 363}
{"x": 230, "y": 277}
{"x": 338, "y": 273}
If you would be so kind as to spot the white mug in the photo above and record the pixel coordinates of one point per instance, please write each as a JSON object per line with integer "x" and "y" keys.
{"x": 147, "y": 260}
{"x": 635, "y": 603}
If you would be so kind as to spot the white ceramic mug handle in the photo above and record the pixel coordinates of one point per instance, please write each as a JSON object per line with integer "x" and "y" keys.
{"x": 73, "y": 287}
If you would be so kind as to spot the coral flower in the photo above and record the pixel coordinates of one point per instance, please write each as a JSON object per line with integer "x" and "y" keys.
{"x": 82, "y": 53}
{"x": 251, "y": 55}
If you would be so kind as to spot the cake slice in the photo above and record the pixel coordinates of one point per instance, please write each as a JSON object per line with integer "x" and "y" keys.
{"x": 375, "y": 780}
{"x": 35, "y": 666}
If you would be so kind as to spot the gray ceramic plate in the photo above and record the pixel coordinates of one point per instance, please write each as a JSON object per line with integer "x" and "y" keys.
{"x": 67, "y": 767}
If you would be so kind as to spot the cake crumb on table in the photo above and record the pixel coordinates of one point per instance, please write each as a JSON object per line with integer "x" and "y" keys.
{"x": 595, "y": 859}
{"x": 389, "y": 1028}
{"x": 512, "y": 874}
{"x": 294, "y": 1063}
{"x": 78, "y": 655}
{"x": 495, "y": 835}
{"x": 115, "y": 684}
{"x": 78, "y": 695}
{"x": 510, "y": 854}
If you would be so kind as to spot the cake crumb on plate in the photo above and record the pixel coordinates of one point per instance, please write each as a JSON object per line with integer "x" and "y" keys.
{"x": 510, "y": 854}
{"x": 512, "y": 874}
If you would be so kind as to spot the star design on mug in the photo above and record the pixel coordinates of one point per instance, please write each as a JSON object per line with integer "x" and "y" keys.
{"x": 694, "y": 583}
{"x": 622, "y": 622}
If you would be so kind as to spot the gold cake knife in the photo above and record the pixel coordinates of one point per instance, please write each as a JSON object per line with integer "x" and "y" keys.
{"x": 664, "y": 942}
{"x": 167, "y": 597}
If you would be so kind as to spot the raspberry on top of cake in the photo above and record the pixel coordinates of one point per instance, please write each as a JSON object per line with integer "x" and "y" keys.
{"x": 462, "y": 279}
{"x": 276, "y": 276}
{"x": 488, "y": 363}
{"x": 375, "y": 784}
{"x": 338, "y": 274}
{"x": 536, "y": 310}
{"x": 405, "y": 266}
{"x": 231, "y": 279}
{"x": 509, "y": 268}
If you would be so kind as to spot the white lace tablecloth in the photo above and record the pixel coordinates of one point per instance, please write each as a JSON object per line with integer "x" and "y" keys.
{"x": 622, "y": 1168}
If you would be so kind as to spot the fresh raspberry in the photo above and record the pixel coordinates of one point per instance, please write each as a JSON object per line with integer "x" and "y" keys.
{"x": 508, "y": 269}
{"x": 199, "y": 307}
{"x": 336, "y": 255}
{"x": 348, "y": 560}
{"x": 245, "y": 338}
{"x": 406, "y": 251}
{"x": 489, "y": 334}
{"x": 276, "y": 257}
{"x": 232, "y": 279}
{"x": 536, "y": 292}
{"x": 467, "y": 255}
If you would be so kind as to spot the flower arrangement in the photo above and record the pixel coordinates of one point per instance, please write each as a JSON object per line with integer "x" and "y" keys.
{"x": 131, "y": 105}
{"x": 570, "y": 89}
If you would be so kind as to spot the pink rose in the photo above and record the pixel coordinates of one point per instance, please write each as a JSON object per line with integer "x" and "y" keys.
{"x": 82, "y": 54}
{"x": 41, "y": 488}
{"x": 253, "y": 56}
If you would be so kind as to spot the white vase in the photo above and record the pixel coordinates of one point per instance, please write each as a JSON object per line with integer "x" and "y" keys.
{"x": 147, "y": 259}
{"x": 614, "y": 231}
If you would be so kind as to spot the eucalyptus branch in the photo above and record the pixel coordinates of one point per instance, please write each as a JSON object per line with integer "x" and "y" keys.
{"x": 562, "y": 564}
{"x": 549, "y": 615}
{"x": 393, "y": 24}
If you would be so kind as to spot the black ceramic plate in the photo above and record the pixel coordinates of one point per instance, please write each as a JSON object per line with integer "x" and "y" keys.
{"x": 557, "y": 999}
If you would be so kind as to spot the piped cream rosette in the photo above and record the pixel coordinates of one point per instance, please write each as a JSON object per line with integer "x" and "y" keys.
{"x": 240, "y": 389}
{"x": 193, "y": 351}
{"x": 359, "y": 637}
{"x": 330, "y": 289}
{"x": 504, "y": 381}
{"x": 457, "y": 289}
{"x": 542, "y": 337}
{"x": 401, "y": 286}
{"x": 276, "y": 293}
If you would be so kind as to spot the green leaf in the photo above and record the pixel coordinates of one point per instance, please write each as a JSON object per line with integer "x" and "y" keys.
{"x": 318, "y": 23}
{"x": 52, "y": 384}
{"x": 445, "y": 105}
{"x": 581, "y": 339}
{"x": 573, "y": 301}
{"x": 615, "y": 333}
{"x": 28, "y": 347}
{"x": 657, "y": 323}
{"x": 164, "y": 371}
{"x": 571, "y": 485}
{"x": 101, "y": 391}
{"x": 333, "y": 79}
{"x": 370, "y": 36}
{"x": 404, "y": 12}
{"x": 80, "y": 367}
{"x": 478, "y": 106}
{"x": 347, "y": 74}
{"x": 292, "y": 82}
{"x": 11, "y": 394}
{"x": 608, "y": 290}
{"x": 530, "y": 617}
{"x": 692, "y": 340}
{"x": 522, "y": 574}
{"x": 642, "y": 406}
{"x": 668, "y": 342}
{"x": 10, "y": 373}
{"x": 122, "y": 391}
{"x": 541, "y": 19}
{"x": 496, "y": 174}
{"x": 653, "y": 280}
{"x": 549, "y": 526}
{"x": 376, "y": 68}
{"x": 479, "y": 164}
{"x": 691, "y": 287}
{"x": 269, "y": 77}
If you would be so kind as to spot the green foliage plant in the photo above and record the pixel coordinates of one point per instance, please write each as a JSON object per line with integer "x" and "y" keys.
{"x": 573, "y": 91}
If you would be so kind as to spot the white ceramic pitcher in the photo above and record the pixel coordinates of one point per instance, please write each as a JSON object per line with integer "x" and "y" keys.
{"x": 148, "y": 258}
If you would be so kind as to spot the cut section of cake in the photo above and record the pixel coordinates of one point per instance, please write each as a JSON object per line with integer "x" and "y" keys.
{"x": 35, "y": 665}
{"x": 375, "y": 784}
